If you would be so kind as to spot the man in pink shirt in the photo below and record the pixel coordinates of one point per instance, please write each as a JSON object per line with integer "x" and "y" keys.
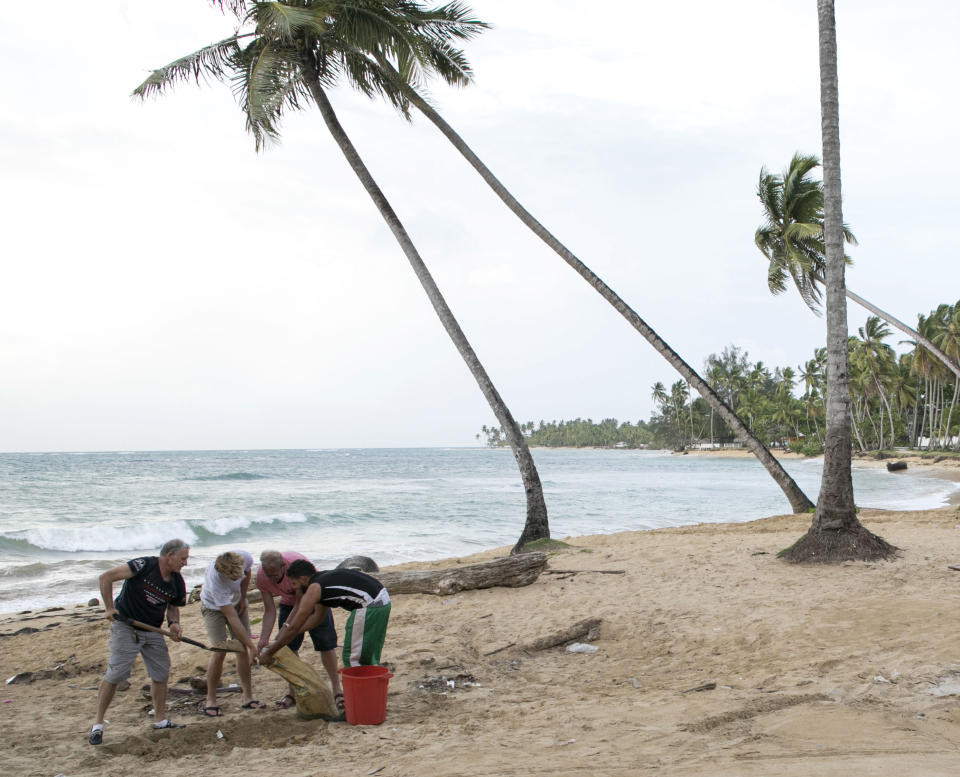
{"x": 272, "y": 581}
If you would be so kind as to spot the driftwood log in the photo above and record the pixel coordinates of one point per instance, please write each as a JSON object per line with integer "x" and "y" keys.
{"x": 585, "y": 629}
{"x": 511, "y": 572}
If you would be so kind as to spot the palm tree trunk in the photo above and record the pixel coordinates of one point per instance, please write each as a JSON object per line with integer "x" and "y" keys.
{"x": 537, "y": 526}
{"x": 798, "y": 500}
{"x": 953, "y": 404}
{"x": 923, "y": 410}
{"x": 835, "y": 506}
{"x": 917, "y": 337}
{"x": 835, "y": 533}
{"x": 913, "y": 421}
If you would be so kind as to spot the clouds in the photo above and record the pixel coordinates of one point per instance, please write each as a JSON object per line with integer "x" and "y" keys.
{"x": 166, "y": 287}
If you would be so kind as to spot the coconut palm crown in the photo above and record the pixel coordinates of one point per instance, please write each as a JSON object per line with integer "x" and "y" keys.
{"x": 791, "y": 236}
{"x": 277, "y": 45}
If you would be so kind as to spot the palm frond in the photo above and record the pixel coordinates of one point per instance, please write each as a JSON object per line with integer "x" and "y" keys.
{"x": 287, "y": 22}
{"x": 214, "y": 61}
{"x": 266, "y": 86}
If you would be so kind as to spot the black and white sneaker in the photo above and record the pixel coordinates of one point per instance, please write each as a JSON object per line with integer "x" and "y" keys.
{"x": 96, "y": 736}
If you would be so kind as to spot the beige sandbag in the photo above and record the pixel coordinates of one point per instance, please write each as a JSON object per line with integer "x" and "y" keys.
{"x": 312, "y": 693}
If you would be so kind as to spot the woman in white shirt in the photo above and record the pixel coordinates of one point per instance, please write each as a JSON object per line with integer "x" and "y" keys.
{"x": 223, "y": 605}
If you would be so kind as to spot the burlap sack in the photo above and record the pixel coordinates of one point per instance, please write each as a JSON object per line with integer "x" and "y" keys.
{"x": 312, "y": 693}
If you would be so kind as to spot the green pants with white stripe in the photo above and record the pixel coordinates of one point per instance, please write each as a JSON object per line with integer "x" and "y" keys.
{"x": 364, "y": 634}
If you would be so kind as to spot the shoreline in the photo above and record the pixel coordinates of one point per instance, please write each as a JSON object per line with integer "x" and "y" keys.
{"x": 948, "y": 470}
{"x": 835, "y": 667}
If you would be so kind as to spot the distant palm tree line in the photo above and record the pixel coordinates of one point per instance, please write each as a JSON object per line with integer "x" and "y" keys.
{"x": 911, "y": 399}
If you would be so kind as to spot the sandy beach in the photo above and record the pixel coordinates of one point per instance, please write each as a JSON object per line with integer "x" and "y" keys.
{"x": 849, "y": 669}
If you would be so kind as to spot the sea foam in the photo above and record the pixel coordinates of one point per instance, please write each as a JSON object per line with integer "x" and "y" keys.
{"x": 145, "y": 537}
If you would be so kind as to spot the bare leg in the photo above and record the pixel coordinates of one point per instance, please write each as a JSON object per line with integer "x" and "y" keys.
{"x": 246, "y": 680}
{"x": 214, "y": 669}
{"x": 329, "y": 659}
{"x": 104, "y": 697}
{"x": 158, "y": 693}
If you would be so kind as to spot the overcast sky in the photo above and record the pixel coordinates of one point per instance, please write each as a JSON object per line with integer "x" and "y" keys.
{"x": 166, "y": 287}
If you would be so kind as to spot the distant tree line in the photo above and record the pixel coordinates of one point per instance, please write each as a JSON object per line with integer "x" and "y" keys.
{"x": 908, "y": 400}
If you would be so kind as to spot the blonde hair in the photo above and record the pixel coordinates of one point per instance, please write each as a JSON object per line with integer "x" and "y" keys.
{"x": 229, "y": 565}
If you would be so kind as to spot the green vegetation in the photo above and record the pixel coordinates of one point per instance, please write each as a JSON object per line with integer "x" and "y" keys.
{"x": 895, "y": 401}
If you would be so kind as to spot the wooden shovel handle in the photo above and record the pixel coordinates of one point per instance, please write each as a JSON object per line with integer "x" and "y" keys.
{"x": 156, "y": 630}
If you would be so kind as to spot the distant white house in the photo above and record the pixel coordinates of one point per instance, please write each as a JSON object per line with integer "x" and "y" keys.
{"x": 706, "y": 445}
{"x": 924, "y": 442}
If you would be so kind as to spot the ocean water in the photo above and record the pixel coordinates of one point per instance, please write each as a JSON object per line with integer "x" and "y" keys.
{"x": 66, "y": 517}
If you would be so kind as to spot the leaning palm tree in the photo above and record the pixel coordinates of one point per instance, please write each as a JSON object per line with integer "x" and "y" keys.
{"x": 835, "y": 533}
{"x": 791, "y": 238}
{"x": 289, "y": 55}
{"x": 403, "y": 72}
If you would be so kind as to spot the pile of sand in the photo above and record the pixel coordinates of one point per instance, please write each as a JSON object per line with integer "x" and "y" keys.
{"x": 713, "y": 658}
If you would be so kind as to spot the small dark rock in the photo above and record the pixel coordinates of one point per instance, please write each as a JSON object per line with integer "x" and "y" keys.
{"x": 360, "y": 563}
{"x": 94, "y": 602}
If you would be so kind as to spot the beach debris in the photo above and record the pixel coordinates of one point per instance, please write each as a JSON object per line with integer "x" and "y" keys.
{"x": 588, "y": 629}
{"x": 585, "y": 572}
{"x": 194, "y": 595}
{"x": 443, "y": 684}
{"x": 378, "y": 769}
{"x": 880, "y": 679}
{"x": 510, "y": 571}
{"x": 18, "y": 632}
{"x": 361, "y": 564}
{"x": 635, "y": 683}
{"x": 20, "y": 678}
{"x": 94, "y": 602}
{"x": 581, "y": 647}
{"x": 219, "y": 734}
{"x": 948, "y": 685}
{"x": 896, "y": 466}
{"x": 705, "y": 687}
{"x": 751, "y": 710}
{"x": 499, "y": 649}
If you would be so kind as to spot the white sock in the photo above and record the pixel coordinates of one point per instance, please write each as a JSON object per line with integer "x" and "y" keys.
{"x": 161, "y": 724}
{"x": 97, "y": 727}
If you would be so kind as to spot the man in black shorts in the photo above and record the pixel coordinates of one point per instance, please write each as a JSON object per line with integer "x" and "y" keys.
{"x": 152, "y": 588}
{"x": 272, "y": 581}
{"x": 363, "y": 596}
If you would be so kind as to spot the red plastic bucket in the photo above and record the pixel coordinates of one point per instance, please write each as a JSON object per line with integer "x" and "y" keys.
{"x": 365, "y": 694}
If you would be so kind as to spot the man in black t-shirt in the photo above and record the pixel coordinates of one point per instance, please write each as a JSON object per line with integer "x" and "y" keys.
{"x": 152, "y": 587}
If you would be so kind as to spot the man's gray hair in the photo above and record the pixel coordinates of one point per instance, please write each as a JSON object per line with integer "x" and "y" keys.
{"x": 173, "y": 546}
{"x": 271, "y": 559}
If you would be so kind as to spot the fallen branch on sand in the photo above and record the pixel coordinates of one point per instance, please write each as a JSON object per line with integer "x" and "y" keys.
{"x": 585, "y": 629}
{"x": 585, "y": 572}
{"x": 510, "y": 572}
